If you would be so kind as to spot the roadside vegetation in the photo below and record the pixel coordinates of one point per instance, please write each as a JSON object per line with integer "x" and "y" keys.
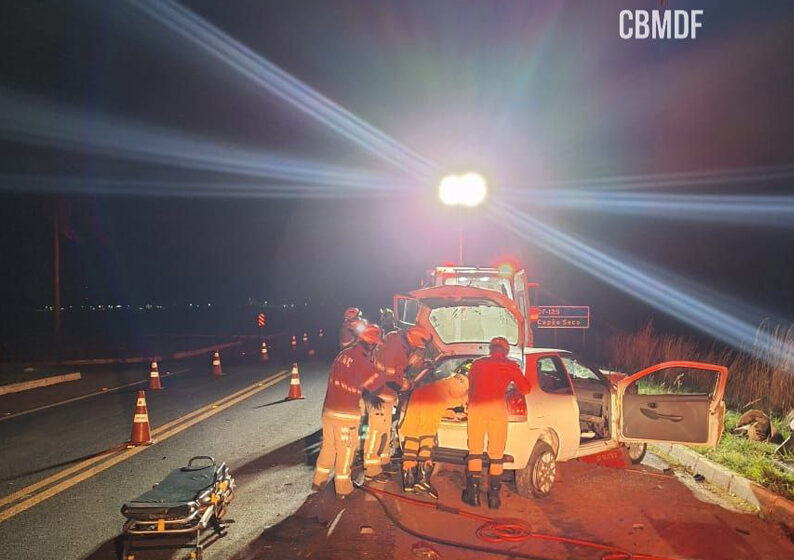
{"x": 761, "y": 379}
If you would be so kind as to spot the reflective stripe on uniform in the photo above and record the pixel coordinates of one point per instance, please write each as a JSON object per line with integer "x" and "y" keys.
{"x": 341, "y": 415}
{"x": 322, "y": 469}
{"x": 372, "y": 437}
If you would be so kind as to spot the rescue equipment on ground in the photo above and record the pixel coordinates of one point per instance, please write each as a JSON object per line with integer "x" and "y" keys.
{"x": 141, "y": 432}
{"x": 496, "y": 531}
{"x": 216, "y": 364}
{"x": 184, "y": 503}
{"x": 294, "y": 384}
{"x": 154, "y": 378}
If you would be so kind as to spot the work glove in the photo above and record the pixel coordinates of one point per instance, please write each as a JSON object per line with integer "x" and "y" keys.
{"x": 372, "y": 399}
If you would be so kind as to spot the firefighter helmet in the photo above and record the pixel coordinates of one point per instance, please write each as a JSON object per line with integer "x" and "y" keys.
{"x": 418, "y": 337}
{"x": 352, "y": 313}
{"x": 371, "y": 334}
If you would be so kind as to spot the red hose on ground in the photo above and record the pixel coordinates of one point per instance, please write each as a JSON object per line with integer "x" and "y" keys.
{"x": 514, "y": 530}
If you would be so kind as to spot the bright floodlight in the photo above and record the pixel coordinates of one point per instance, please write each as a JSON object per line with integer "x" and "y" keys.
{"x": 467, "y": 190}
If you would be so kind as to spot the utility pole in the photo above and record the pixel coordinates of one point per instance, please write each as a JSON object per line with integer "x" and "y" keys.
{"x": 56, "y": 276}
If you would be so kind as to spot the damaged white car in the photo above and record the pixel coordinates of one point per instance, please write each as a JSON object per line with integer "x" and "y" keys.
{"x": 573, "y": 410}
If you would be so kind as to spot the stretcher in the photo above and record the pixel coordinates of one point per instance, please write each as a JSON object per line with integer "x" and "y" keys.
{"x": 174, "y": 512}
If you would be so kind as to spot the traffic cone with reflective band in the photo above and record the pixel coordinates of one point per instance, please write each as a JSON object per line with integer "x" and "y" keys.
{"x": 154, "y": 378}
{"x": 294, "y": 384}
{"x": 141, "y": 433}
{"x": 294, "y": 340}
{"x": 321, "y": 333}
{"x": 216, "y": 364}
{"x": 305, "y": 338}
{"x": 263, "y": 352}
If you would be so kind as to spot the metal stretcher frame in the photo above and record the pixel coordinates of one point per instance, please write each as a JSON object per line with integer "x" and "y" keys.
{"x": 205, "y": 510}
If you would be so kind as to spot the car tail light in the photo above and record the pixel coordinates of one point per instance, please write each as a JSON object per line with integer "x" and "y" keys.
{"x": 516, "y": 407}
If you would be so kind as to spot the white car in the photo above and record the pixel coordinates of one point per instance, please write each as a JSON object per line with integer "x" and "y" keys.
{"x": 573, "y": 410}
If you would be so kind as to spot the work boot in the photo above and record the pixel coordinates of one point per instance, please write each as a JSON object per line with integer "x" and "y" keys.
{"x": 471, "y": 494}
{"x": 409, "y": 479}
{"x": 495, "y": 484}
{"x": 423, "y": 480}
{"x": 380, "y": 478}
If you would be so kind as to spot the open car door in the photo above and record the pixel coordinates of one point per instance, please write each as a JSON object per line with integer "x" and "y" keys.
{"x": 672, "y": 411}
{"x": 406, "y": 308}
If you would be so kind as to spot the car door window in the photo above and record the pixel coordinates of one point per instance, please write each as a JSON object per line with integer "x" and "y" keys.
{"x": 578, "y": 370}
{"x": 552, "y": 377}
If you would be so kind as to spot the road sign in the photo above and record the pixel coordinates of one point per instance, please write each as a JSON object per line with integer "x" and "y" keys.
{"x": 260, "y": 320}
{"x": 563, "y": 317}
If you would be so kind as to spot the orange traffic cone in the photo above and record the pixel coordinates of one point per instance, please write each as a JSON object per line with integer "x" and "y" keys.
{"x": 216, "y": 364}
{"x": 294, "y": 340}
{"x": 321, "y": 333}
{"x": 141, "y": 434}
{"x": 263, "y": 352}
{"x": 305, "y": 338}
{"x": 154, "y": 378}
{"x": 294, "y": 384}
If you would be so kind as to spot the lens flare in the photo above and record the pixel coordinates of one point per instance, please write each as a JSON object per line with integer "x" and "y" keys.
{"x": 142, "y": 187}
{"x": 33, "y": 121}
{"x": 668, "y": 295}
{"x": 278, "y": 82}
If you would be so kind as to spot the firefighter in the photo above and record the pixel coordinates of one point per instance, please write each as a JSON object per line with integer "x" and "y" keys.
{"x": 426, "y": 407}
{"x": 353, "y": 378}
{"x": 489, "y": 378}
{"x": 351, "y": 327}
{"x": 400, "y": 350}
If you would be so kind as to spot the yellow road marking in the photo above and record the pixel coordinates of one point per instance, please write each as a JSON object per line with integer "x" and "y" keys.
{"x": 163, "y": 432}
{"x": 24, "y": 492}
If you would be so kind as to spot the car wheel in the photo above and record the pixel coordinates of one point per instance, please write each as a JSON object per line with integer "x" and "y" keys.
{"x": 537, "y": 478}
{"x": 637, "y": 452}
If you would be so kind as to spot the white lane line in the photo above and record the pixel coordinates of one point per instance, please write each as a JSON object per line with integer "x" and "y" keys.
{"x": 89, "y": 395}
{"x": 174, "y": 428}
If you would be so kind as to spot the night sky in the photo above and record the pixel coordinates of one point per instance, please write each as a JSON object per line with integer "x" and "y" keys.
{"x": 527, "y": 93}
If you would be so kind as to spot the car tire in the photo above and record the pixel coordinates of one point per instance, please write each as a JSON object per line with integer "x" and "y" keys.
{"x": 537, "y": 478}
{"x": 637, "y": 452}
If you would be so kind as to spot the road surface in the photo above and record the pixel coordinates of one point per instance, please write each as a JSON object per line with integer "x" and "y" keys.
{"x": 271, "y": 445}
{"x": 259, "y": 437}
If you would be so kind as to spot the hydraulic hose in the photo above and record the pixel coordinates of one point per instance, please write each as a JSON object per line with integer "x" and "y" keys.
{"x": 498, "y": 530}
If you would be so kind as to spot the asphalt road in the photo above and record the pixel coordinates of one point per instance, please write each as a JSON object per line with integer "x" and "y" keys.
{"x": 266, "y": 442}
{"x": 271, "y": 446}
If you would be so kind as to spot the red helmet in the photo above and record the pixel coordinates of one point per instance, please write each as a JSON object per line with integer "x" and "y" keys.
{"x": 418, "y": 337}
{"x": 371, "y": 334}
{"x": 352, "y": 313}
{"x": 499, "y": 344}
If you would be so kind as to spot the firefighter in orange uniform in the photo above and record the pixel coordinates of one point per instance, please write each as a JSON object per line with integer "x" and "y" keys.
{"x": 418, "y": 429}
{"x": 400, "y": 350}
{"x": 351, "y": 327}
{"x": 489, "y": 378}
{"x": 353, "y": 378}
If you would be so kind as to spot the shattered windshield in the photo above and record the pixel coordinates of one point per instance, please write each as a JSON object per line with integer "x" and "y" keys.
{"x": 478, "y": 323}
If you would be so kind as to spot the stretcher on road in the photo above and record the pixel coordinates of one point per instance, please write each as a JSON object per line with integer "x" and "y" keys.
{"x": 174, "y": 513}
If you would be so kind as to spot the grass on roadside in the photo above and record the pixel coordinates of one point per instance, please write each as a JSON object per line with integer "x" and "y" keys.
{"x": 751, "y": 459}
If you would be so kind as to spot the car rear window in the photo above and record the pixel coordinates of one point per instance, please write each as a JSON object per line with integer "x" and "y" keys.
{"x": 473, "y": 323}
